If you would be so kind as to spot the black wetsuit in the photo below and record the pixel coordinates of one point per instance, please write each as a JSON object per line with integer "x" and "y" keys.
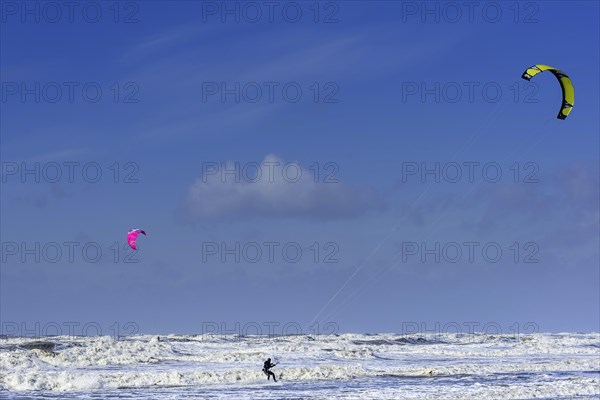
{"x": 266, "y": 370}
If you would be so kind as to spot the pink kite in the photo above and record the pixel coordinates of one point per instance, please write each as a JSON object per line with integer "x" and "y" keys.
{"x": 132, "y": 237}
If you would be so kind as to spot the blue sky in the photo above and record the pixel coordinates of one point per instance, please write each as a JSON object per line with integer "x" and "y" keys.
{"x": 398, "y": 86}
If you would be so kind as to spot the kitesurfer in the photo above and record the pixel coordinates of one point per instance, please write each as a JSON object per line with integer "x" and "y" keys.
{"x": 266, "y": 369}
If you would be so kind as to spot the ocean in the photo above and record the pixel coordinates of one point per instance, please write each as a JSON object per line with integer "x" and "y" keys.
{"x": 345, "y": 366}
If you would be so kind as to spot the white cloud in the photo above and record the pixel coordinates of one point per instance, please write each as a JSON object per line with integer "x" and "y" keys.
{"x": 283, "y": 190}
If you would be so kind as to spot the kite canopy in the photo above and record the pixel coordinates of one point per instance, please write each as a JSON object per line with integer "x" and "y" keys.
{"x": 132, "y": 237}
{"x": 565, "y": 83}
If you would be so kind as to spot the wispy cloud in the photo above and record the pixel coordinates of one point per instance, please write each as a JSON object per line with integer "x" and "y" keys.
{"x": 563, "y": 210}
{"x": 56, "y": 155}
{"x": 41, "y": 199}
{"x": 175, "y": 78}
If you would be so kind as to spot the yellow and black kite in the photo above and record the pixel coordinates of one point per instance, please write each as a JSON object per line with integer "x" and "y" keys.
{"x": 565, "y": 83}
